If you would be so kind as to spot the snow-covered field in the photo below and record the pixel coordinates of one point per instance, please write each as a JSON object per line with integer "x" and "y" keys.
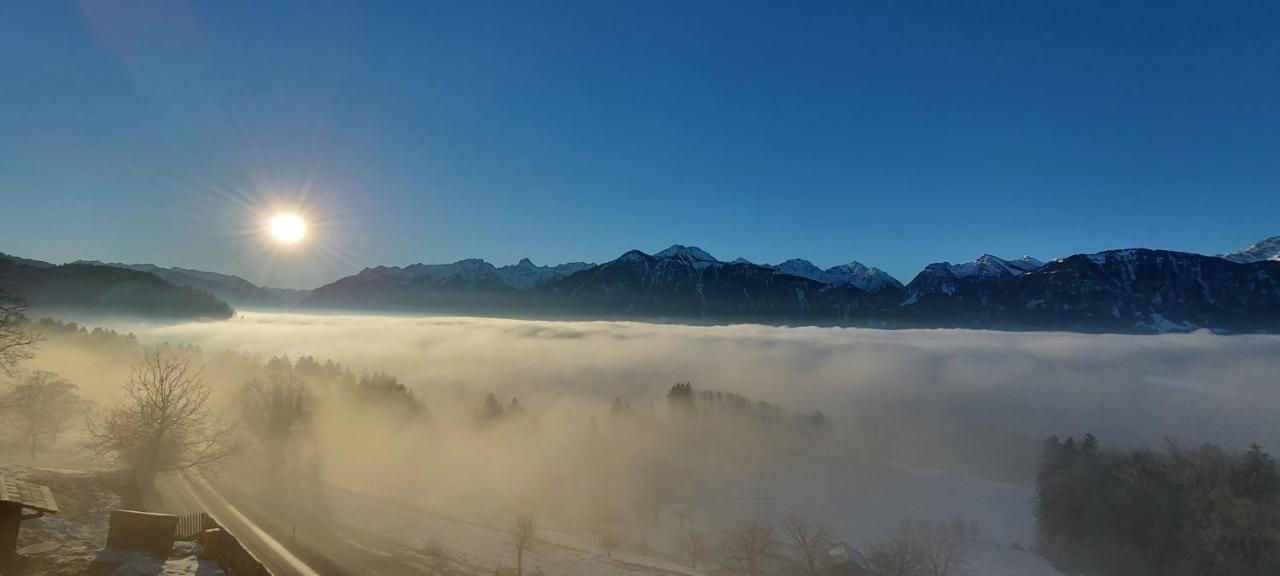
{"x": 880, "y": 499}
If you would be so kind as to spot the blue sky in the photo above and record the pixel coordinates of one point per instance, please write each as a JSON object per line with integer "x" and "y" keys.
{"x": 895, "y": 133}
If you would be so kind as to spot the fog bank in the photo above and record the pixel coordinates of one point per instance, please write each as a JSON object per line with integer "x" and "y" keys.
{"x": 1125, "y": 389}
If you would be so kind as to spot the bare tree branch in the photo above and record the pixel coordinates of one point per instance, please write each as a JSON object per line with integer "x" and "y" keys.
{"x": 17, "y": 341}
{"x": 809, "y": 539}
{"x": 750, "y": 546}
{"x": 165, "y": 422}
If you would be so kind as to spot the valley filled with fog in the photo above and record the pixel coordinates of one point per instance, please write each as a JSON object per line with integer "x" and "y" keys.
{"x": 861, "y": 430}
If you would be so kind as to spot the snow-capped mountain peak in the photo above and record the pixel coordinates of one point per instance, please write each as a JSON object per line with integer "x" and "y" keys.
{"x": 525, "y": 275}
{"x": 698, "y": 257}
{"x": 861, "y": 276}
{"x": 852, "y": 274}
{"x": 1268, "y": 249}
{"x": 470, "y": 269}
{"x": 802, "y": 268}
{"x": 990, "y": 266}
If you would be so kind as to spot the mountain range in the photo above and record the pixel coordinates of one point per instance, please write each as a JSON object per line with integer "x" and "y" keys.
{"x": 1127, "y": 291}
{"x": 105, "y": 290}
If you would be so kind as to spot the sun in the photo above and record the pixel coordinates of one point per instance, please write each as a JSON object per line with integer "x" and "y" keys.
{"x": 287, "y": 228}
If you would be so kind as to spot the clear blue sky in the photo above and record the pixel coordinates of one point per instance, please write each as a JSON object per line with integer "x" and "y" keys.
{"x": 895, "y": 133}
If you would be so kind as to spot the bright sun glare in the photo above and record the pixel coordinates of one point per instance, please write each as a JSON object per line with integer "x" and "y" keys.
{"x": 287, "y": 228}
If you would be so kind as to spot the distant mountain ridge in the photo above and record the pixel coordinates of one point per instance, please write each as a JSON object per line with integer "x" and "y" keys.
{"x": 232, "y": 289}
{"x": 105, "y": 290}
{"x": 1127, "y": 291}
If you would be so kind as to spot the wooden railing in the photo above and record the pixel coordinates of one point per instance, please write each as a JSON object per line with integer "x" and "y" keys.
{"x": 234, "y": 558}
{"x": 190, "y": 526}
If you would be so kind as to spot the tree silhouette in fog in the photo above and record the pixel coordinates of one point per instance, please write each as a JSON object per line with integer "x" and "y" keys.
{"x": 164, "y": 423}
{"x": 749, "y": 547}
{"x": 16, "y": 339}
{"x": 808, "y": 538}
{"x": 44, "y": 405}
{"x": 523, "y": 533}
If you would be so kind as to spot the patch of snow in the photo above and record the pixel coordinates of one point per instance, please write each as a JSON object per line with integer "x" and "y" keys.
{"x": 858, "y": 275}
{"x": 1164, "y": 325}
{"x": 469, "y": 269}
{"x": 992, "y": 266}
{"x": 693, "y": 255}
{"x": 801, "y": 268}
{"x": 526, "y": 275}
{"x": 1268, "y": 249}
{"x": 852, "y": 274}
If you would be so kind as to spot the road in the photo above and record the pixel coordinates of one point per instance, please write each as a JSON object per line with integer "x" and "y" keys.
{"x": 295, "y": 534}
{"x": 307, "y": 547}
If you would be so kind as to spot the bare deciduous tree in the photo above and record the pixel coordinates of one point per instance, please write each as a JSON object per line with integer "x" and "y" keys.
{"x": 657, "y": 487}
{"x": 943, "y": 548}
{"x": 693, "y": 546}
{"x": 608, "y": 543}
{"x": 44, "y": 405}
{"x": 921, "y": 549}
{"x": 808, "y": 538}
{"x": 749, "y": 547}
{"x": 276, "y": 404}
{"x": 16, "y": 340}
{"x": 898, "y": 557}
{"x": 165, "y": 422}
{"x": 523, "y": 533}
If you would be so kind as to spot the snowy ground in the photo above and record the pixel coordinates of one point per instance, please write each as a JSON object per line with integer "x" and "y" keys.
{"x": 875, "y": 505}
{"x": 436, "y": 543}
{"x": 85, "y": 498}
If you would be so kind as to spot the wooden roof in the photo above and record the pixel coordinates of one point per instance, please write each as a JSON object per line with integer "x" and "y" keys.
{"x": 27, "y": 494}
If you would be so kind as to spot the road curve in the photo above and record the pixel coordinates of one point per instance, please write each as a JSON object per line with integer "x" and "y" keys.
{"x": 310, "y": 545}
{"x": 194, "y": 488}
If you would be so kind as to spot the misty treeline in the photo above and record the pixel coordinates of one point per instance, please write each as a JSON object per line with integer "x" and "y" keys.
{"x": 670, "y": 474}
{"x": 166, "y": 413}
{"x": 710, "y": 440}
{"x": 1180, "y": 511}
{"x": 36, "y": 406}
{"x": 696, "y": 437}
{"x": 795, "y": 544}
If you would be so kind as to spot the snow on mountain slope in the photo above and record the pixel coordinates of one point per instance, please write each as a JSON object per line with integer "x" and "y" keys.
{"x": 803, "y": 269}
{"x": 1268, "y": 249}
{"x": 867, "y": 278}
{"x": 989, "y": 265}
{"x": 693, "y": 255}
{"x": 852, "y": 274}
{"x": 468, "y": 270}
{"x": 526, "y": 275}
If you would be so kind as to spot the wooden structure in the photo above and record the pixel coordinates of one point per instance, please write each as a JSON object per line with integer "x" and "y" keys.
{"x": 20, "y": 501}
{"x": 234, "y": 558}
{"x": 136, "y": 530}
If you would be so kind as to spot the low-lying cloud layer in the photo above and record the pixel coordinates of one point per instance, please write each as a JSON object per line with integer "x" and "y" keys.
{"x": 937, "y": 424}
{"x": 1125, "y": 389}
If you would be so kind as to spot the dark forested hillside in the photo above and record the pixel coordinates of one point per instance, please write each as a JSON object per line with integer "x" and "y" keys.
{"x": 1178, "y": 512}
{"x": 106, "y": 290}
